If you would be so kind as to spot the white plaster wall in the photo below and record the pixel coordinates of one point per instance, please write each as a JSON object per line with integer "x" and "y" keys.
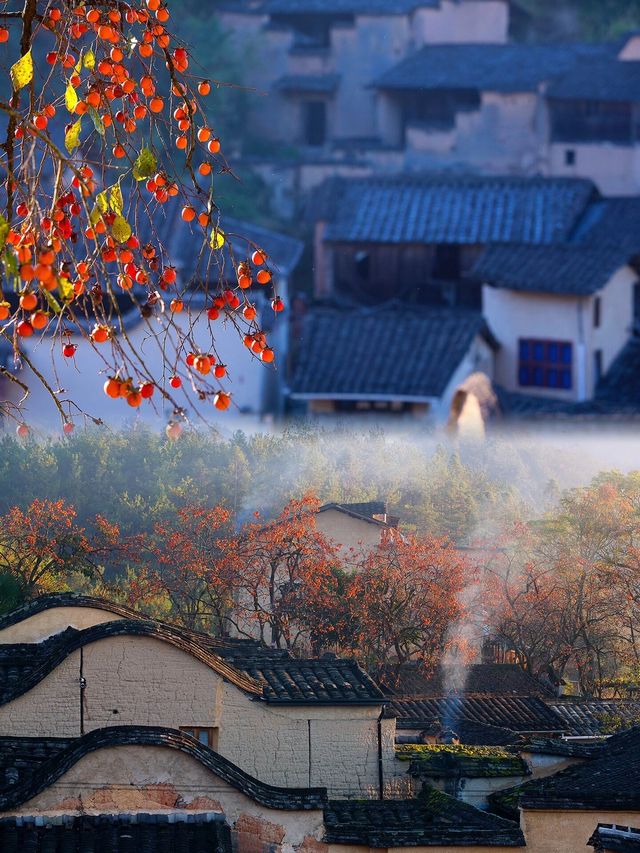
{"x": 615, "y": 169}
{"x": 512, "y": 315}
{"x": 616, "y": 319}
{"x": 466, "y": 21}
{"x": 349, "y": 533}
{"x": 567, "y": 831}
{"x": 46, "y": 624}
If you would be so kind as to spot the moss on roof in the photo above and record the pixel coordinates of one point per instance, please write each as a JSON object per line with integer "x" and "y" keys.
{"x": 439, "y": 760}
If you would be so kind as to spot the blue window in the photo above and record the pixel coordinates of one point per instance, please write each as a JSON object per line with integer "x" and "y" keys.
{"x": 545, "y": 364}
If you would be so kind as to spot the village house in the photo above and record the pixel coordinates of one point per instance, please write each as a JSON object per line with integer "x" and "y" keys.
{"x": 117, "y": 733}
{"x": 558, "y": 813}
{"x": 531, "y": 282}
{"x": 316, "y": 59}
{"x": 355, "y": 526}
{"x": 319, "y": 721}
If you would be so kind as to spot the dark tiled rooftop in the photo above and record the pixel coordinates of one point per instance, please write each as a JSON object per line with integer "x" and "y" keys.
{"x": 488, "y": 67}
{"x": 151, "y": 833}
{"x": 566, "y": 748}
{"x": 611, "y": 781}
{"x": 393, "y": 351}
{"x": 591, "y": 717}
{"x": 616, "y": 839}
{"x": 468, "y": 210}
{"x": 273, "y": 675}
{"x": 495, "y": 679}
{"x": 569, "y": 270}
{"x": 520, "y": 714}
{"x": 56, "y": 762}
{"x": 599, "y": 79}
{"x": 620, "y": 387}
{"x": 432, "y": 819}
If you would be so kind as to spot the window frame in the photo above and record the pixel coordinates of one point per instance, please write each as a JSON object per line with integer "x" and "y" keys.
{"x": 547, "y": 364}
{"x": 212, "y": 733}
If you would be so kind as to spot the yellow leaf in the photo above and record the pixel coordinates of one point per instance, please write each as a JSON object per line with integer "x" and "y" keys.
{"x": 101, "y": 201}
{"x": 22, "y": 71}
{"x": 116, "y": 202}
{"x": 89, "y": 60}
{"x": 71, "y": 98}
{"x": 217, "y": 238}
{"x": 66, "y": 288}
{"x": 78, "y": 65}
{"x": 72, "y": 136}
{"x": 121, "y": 229}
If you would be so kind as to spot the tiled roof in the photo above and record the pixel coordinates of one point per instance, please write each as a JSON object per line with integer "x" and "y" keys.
{"x": 396, "y": 352}
{"x": 123, "y": 833}
{"x": 64, "y": 599}
{"x": 55, "y": 763}
{"x": 363, "y": 511}
{"x": 496, "y": 679}
{"x": 611, "y": 222}
{"x": 590, "y": 717}
{"x": 274, "y": 676}
{"x": 611, "y": 781}
{"x": 317, "y": 83}
{"x": 437, "y": 761}
{"x": 600, "y": 79}
{"x": 520, "y": 714}
{"x": 559, "y": 746}
{"x": 468, "y": 210}
{"x": 617, "y": 839}
{"x": 432, "y": 819}
{"x": 473, "y": 733}
{"x": 568, "y": 270}
{"x": 488, "y": 67}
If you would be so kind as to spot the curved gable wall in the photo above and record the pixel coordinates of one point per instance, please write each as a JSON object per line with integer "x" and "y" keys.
{"x": 40, "y": 626}
{"x": 145, "y": 680}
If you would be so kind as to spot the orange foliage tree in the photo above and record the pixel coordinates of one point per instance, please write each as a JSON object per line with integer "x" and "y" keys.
{"x": 285, "y": 578}
{"x": 188, "y": 565}
{"x": 405, "y": 602}
{"x": 44, "y": 549}
{"x": 105, "y": 126}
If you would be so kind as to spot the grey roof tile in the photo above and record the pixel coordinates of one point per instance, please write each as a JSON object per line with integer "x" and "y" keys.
{"x": 517, "y": 713}
{"x": 467, "y": 210}
{"x": 567, "y": 270}
{"x": 600, "y": 79}
{"x": 493, "y": 679}
{"x": 122, "y": 833}
{"x": 586, "y": 718}
{"x": 488, "y": 67}
{"x": 393, "y": 351}
{"x": 433, "y": 818}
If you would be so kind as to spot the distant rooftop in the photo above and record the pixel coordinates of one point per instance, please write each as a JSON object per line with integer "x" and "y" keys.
{"x": 467, "y": 210}
{"x": 517, "y": 713}
{"x": 603, "y": 79}
{"x": 393, "y": 352}
{"x": 494, "y": 679}
{"x": 569, "y": 270}
{"x": 514, "y": 67}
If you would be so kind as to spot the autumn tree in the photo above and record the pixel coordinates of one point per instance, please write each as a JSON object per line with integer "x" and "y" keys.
{"x": 405, "y": 601}
{"x": 285, "y": 577}
{"x": 43, "y": 548}
{"x": 106, "y": 132}
{"x": 187, "y": 562}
